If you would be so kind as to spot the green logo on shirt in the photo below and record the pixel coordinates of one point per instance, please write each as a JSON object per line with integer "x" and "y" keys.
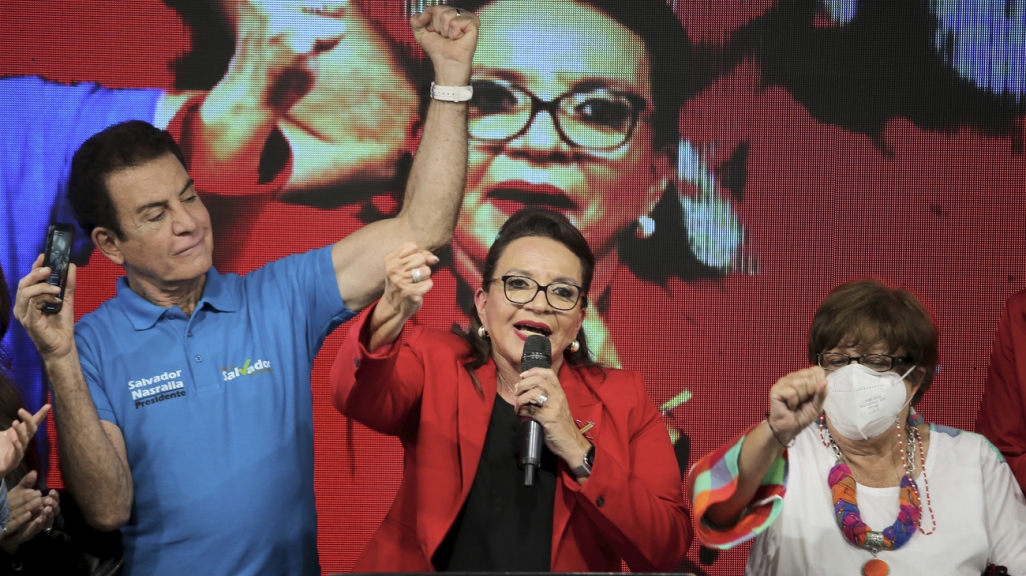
{"x": 250, "y": 368}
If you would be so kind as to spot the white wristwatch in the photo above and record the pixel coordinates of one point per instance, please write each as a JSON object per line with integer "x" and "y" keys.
{"x": 452, "y": 93}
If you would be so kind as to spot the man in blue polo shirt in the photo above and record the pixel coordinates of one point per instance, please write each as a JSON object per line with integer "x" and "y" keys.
{"x": 184, "y": 406}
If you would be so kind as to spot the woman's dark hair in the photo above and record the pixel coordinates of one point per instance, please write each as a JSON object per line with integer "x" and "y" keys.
{"x": 864, "y": 313}
{"x": 124, "y": 145}
{"x": 10, "y": 399}
{"x": 533, "y": 223}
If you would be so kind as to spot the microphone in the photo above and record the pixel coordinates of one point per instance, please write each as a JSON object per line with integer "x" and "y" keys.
{"x": 537, "y": 354}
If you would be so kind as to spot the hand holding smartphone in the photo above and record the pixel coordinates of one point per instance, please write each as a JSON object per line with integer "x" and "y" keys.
{"x": 57, "y": 257}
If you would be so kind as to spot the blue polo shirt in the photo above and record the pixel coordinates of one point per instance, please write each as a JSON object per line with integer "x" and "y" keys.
{"x": 217, "y": 414}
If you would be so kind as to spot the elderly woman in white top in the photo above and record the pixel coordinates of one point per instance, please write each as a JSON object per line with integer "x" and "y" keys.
{"x": 843, "y": 477}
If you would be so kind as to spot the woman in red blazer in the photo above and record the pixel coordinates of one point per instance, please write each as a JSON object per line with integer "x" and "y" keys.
{"x": 608, "y": 488}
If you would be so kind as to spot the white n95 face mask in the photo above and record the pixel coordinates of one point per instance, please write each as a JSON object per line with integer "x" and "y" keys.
{"x": 862, "y": 403}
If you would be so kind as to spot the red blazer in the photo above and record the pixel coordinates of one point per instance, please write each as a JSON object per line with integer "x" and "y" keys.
{"x": 631, "y": 508}
{"x": 1002, "y": 416}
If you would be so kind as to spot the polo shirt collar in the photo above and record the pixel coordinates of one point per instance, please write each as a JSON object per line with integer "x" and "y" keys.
{"x": 216, "y": 293}
{"x": 144, "y": 314}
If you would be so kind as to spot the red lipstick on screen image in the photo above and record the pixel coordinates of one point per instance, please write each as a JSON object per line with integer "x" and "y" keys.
{"x": 512, "y": 195}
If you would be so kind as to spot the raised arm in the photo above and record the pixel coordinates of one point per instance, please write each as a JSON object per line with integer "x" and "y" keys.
{"x": 434, "y": 191}
{"x": 93, "y": 457}
{"x": 370, "y": 381}
{"x": 407, "y": 279}
{"x": 795, "y": 402}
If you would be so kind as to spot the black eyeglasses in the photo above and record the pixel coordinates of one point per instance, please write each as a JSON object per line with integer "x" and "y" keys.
{"x": 597, "y": 118}
{"x": 878, "y": 362}
{"x": 521, "y": 290}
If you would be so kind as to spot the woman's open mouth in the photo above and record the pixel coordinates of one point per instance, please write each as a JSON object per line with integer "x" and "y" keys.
{"x": 511, "y": 196}
{"x": 529, "y": 328}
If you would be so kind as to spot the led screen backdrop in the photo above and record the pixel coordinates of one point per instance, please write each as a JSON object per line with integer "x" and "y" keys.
{"x": 776, "y": 150}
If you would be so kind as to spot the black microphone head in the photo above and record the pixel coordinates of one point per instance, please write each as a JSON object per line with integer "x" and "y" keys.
{"x": 537, "y": 353}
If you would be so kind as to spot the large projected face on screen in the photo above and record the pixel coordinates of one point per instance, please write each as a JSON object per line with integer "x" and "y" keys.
{"x": 562, "y": 118}
{"x": 576, "y": 109}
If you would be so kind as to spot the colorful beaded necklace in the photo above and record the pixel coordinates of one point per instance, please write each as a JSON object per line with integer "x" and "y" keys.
{"x": 846, "y": 509}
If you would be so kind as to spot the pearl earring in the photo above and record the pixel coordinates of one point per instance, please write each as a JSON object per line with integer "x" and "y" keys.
{"x": 482, "y": 332}
{"x": 646, "y": 227}
{"x": 574, "y": 346}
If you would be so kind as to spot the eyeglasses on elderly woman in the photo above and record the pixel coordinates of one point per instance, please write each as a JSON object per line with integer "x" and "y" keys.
{"x": 879, "y": 362}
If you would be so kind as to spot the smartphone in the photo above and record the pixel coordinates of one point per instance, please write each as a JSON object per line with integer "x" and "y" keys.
{"x": 57, "y": 256}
